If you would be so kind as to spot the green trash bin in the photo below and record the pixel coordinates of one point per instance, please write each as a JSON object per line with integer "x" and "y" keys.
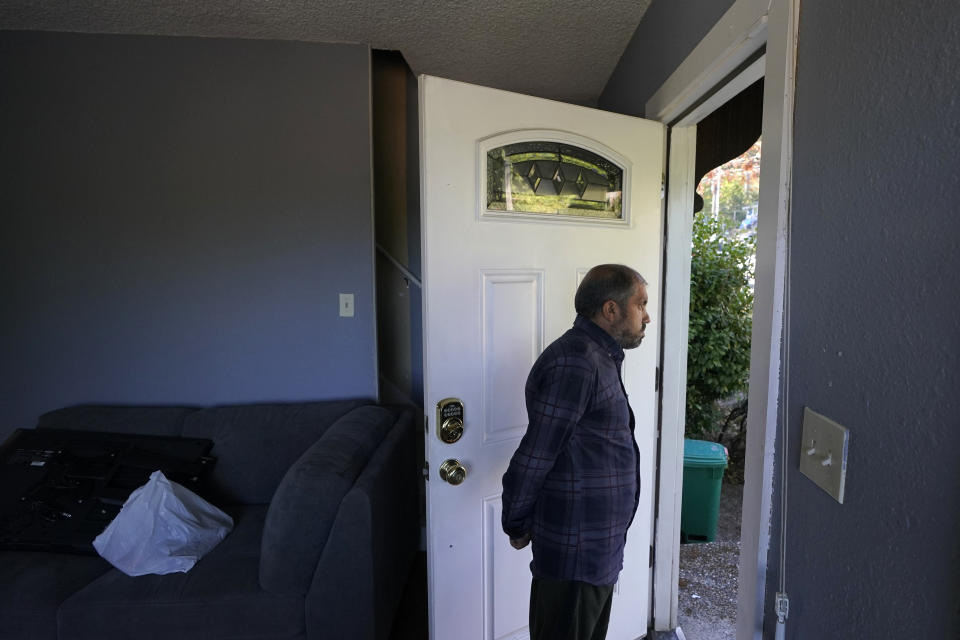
{"x": 703, "y": 465}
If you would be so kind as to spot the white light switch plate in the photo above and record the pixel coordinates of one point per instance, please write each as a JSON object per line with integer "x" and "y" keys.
{"x": 346, "y": 305}
{"x": 823, "y": 454}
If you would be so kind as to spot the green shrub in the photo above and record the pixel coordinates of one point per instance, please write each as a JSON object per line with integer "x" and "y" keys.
{"x": 721, "y": 304}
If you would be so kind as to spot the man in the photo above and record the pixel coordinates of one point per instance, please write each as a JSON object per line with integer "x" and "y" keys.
{"x": 573, "y": 484}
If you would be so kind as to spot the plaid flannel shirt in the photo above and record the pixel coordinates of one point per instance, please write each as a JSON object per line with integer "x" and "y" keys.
{"x": 574, "y": 482}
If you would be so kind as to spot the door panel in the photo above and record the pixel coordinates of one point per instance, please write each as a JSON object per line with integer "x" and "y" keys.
{"x": 498, "y": 288}
{"x": 512, "y": 334}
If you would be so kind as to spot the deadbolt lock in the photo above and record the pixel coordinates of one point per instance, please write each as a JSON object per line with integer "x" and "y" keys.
{"x": 451, "y": 430}
{"x": 453, "y": 471}
{"x": 450, "y": 420}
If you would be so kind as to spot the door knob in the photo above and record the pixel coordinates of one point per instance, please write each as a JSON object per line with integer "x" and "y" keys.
{"x": 453, "y": 472}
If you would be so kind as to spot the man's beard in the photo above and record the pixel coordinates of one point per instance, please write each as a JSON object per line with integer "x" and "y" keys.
{"x": 626, "y": 339}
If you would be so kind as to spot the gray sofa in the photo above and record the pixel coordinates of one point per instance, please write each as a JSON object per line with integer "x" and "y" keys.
{"x": 324, "y": 499}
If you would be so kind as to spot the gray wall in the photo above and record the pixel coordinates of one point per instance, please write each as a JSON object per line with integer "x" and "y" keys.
{"x": 668, "y": 32}
{"x": 875, "y": 339}
{"x": 179, "y": 215}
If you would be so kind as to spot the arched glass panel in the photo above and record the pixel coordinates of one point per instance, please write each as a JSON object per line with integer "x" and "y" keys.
{"x": 553, "y": 178}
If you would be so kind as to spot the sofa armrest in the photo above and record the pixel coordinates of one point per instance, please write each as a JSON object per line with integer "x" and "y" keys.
{"x": 305, "y": 505}
{"x": 363, "y": 569}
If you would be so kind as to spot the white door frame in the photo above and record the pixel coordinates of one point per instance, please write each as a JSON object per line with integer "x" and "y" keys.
{"x": 689, "y": 95}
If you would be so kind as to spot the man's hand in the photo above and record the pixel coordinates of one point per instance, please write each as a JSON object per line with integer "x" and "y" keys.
{"x": 520, "y": 543}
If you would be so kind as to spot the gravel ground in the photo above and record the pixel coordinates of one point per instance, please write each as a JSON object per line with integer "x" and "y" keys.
{"x": 708, "y": 575}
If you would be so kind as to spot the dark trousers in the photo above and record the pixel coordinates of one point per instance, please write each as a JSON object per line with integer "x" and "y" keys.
{"x": 568, "y": 610}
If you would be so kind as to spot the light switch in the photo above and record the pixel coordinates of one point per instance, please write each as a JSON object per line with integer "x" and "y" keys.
{"x": 346, "y": 305}
{"x": 823, "y": 453}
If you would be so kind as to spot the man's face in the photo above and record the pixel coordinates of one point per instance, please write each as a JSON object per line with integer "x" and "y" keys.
{"x": 630, "y": 326}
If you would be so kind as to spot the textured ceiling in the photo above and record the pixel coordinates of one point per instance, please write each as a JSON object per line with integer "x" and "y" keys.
{"x": 560, "y": 49}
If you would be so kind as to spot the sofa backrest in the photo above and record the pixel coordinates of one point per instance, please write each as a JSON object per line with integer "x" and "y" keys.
{"x": 158, "y": 421}
{"x": 256, "y": 444}
{"x": 306, "y": 502}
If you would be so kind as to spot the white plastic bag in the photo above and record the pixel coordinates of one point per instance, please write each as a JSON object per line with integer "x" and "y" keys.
{"x": 162, "y": 528}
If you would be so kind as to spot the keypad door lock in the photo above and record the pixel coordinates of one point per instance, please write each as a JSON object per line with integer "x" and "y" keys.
{"x": 450, "y": 420}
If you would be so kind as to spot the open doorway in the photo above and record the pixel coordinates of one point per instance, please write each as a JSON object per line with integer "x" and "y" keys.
{"x": 723, "y": 259}
{"x": 753, "y": 40}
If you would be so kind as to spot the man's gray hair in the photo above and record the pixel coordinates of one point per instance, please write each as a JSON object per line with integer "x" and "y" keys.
{"x": 604, "y": 282}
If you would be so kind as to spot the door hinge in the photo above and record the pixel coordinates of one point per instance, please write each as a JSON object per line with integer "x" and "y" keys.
{"x": 657, "y": 379}
{"x": 651, "y": 556}
{"x": 426, "y": 471}
{"x": 663, "y": 186}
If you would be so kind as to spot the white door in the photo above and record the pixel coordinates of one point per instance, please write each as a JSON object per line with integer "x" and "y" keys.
{"x": 498, "y": 288}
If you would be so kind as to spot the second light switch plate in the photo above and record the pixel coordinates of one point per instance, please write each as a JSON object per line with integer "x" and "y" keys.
{"x": 823, "y": 454}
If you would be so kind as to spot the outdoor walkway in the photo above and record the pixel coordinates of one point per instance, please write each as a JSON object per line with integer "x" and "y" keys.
{"x": 708, "y": 576}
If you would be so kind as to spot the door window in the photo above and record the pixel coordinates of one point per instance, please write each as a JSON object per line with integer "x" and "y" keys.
{"x": 553, "y": 178}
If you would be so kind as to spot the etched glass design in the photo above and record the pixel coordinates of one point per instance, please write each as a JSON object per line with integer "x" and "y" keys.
{"x": 553, "y": 178}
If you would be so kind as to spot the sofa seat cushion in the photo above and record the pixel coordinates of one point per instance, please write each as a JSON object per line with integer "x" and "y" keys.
{"x": 219, "y": 598}
{"x": 32, "y": 586}
{"x": 256, "y": 444}
{"x": 306, "y": 502}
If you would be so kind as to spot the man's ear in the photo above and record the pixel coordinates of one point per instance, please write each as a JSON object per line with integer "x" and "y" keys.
{"x": 610, "y": 310}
